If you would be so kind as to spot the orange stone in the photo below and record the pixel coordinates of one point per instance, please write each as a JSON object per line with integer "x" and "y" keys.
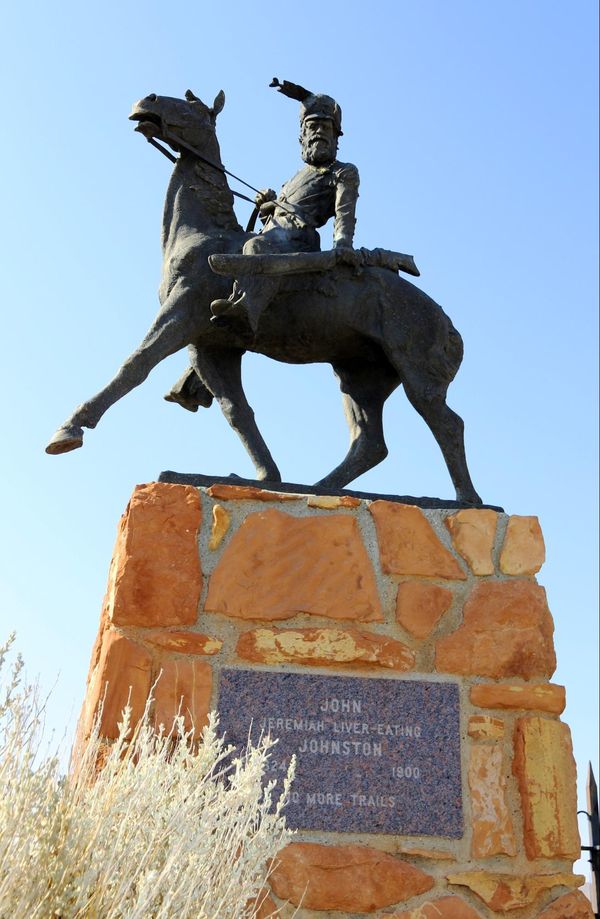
{"x": 506, "y": 631}
{"x": 322, "y": 647}
{"x": 264, "y": 906}
{"x": 505, "y": 892}
{"x": 408, "y": 543}
{"x": 248, "y": 493}
{"x": 544, "y": 697}
{"x": 445, "y": 908}
{"x": 277, "y": 566}
{"x": 220, "y": 525}
{"x": 122, "y": 676}
{"x": 492, "y": 827}
{"x": 352, "y": 878}
{"x": 331, "y": 502}
{"x": 155, "y": 577}
{"x": 484, "y": 727}
{"x": 473, "y": 533}
{"x": 573, "y": 905}
{"x": 545, "y": 769}
{"x": 184, "y": 686}
{"x": 523, "y": 551}
{"x": 419, "y": 607}
{"x": 183, "y": 642}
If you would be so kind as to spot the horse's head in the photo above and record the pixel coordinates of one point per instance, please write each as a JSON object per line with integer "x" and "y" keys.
{"x": 169, "y": 119}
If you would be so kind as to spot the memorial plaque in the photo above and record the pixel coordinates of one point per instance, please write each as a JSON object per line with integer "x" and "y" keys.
{"x": 373, "y": 756}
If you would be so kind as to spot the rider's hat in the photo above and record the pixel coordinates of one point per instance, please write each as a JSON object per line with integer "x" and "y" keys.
{"x": 313, "y": 105}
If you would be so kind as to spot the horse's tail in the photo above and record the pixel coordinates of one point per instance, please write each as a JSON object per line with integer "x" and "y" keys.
{"x": 446, "y": 355}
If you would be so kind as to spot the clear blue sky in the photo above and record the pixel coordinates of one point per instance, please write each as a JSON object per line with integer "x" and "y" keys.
{"x": 474, "y": 128}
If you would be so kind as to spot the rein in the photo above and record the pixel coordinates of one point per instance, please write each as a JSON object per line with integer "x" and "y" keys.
{"x": 181, "y": 143}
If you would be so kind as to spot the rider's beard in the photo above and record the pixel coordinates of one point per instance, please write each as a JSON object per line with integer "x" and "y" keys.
{"x": 318, "y": 151}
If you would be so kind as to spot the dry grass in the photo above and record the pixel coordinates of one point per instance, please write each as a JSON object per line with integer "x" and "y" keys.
{"x": 163, "y": 830}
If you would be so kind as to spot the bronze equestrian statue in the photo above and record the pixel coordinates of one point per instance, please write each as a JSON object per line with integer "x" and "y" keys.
{"x": 351, "y": 309}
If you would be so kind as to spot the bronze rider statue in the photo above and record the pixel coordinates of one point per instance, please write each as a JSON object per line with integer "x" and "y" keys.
{"x": 323, "y": 188}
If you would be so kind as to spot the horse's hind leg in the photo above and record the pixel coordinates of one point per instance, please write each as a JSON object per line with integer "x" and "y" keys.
{"x": 446, "y": 426}
{"x": 364, "y": 391}
{"x": 168, "y": 334}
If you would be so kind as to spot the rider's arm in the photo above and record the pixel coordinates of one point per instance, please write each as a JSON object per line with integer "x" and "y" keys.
{"x": 346, "y": 195}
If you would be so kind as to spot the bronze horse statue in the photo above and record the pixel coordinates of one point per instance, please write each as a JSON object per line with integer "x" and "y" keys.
{"x": 375, "y": 328}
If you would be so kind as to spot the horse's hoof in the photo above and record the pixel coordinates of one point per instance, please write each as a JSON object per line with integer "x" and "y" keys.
{"x": 67, "y": 438}
{"x": 470, "y": 499}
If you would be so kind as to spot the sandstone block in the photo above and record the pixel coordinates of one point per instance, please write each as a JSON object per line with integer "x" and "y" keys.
{"x": 183, "y": 642}
{"x": 505, "y": 892}
{"x": 492, "y": 827}
{"x": 220, "y": 524}
{"x": 419, "y": 607}
{"x": 408, "y": 543}
{"x": 444, "y": 908}
{"x": 484, "y": 727}
{"x": 352, "y": 878}
{"x": 323, "y": 647}
{"x": 506, "y": 631}
{"x": 155, "y": 577}
{"x": 184, "y": 686}
{"x": 523, "y": 551}
{"x": 123, "y": 672}
{"x": 330, "y": 502}
{"x": 473, "y": 533}
{"x": 545, "y": 770}
{"x": 440, "y": 855}
{"x": 544, "y": 697}
{"x": 277, "y": 566}
{"x": 573, "y": 905}
{"x": 248, "y": 493}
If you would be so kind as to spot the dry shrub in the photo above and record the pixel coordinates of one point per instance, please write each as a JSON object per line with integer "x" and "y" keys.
{"x": 163, "y": 830}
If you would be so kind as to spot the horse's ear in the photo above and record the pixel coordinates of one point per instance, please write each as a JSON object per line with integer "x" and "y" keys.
{"x": 191, "y": 97}
{"x": 218, "y": 104}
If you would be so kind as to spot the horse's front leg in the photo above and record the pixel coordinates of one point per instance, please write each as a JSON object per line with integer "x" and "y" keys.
{"x": 220, "y": 369}
{"x": 170, "y": 332}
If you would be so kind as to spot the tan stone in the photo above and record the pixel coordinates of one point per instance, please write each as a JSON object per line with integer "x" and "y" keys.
{"x": 573, "y": 905}
{"x": 419, "y": 607}
{"x": 492, "y": 827}
{"x": 323, "y": 647}
{"x": 484, "y": 727}
{"x": 440, "y": 855}
{"x": 545, "y": 769}
{"x": 352, "y": 878}
{"x": 184, "y": 686}
{"x": 444, "y": 908}
{"x": 473, "y": 533}
{"x": 544, "y": 697}
{"x": 220, "y": 524}
{"x": 506, "y": 631}
{"x": 155, "y": 577}
{"x": 277, "y": 566}
{"x": 408, "y": 543}
{"x": 183, "y": 642}
{"x": 122, "y": 676}
{"x": 248, "y": 493}
{"x": 523, "y": 551}
{"x": 331, "y": 502}
{"x": 505, "y": 892}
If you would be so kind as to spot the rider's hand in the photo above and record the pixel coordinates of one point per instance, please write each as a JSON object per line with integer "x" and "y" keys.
{"x": 262, "y": 197}
{"x": 348, "y": 256}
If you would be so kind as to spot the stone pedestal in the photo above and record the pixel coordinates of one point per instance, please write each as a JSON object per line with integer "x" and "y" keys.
{"x": 405, "y": 655}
